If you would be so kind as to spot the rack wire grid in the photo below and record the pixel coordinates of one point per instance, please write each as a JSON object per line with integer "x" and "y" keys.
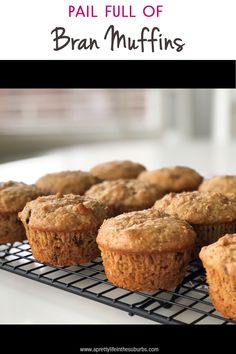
{"x": 189, "y": 303}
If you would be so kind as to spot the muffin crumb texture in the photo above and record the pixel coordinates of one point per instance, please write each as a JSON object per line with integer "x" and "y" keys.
{"x": 62, "y": 230}
{"x": 173, "y": 178}
{"x": 211, "y": 214}
{"x": 13, "y": 197}
{"x": 219, "y": 259}
{"x": 199, "y": 207}
{"x": 145, "y": 250}
{"x": 125, "y": 195}
{"x": 66, "y": 182}
{"x": 113, "y": 170}
{"x": 222, "y": 184}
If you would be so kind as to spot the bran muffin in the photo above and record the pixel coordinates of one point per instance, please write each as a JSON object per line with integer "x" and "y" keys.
{"x": 223, "y": 184}
{"x": 219, "y": 259}
{"x": 62, "y": 229}
{"x": 124, "y": 195}
{"x": 145, "y": 250}
{"x": 66, "y": 182}
{"x": 113, "y": 170}
{"x": 211, "y": 214}
{"x": 13, "y": 197}
{"x": 173, "y": 179}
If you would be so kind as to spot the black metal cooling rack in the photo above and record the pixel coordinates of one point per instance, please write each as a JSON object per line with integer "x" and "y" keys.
{"x": 187, "y": 304}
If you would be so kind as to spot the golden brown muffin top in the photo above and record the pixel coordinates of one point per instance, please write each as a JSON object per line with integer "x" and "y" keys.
{"x": 126, "y": 192}
{"x": 221, "y": 255}
{"x": 4, "y": 185}
{"x": 64, "y": 213}
{"x": 113, "y": 170}
{"x": 173, "y": 179}
{"x": 223, "y": 184}
{"x": 14, "y": 195}
{"x": 199, "y": 207}
{"x": 66, "y": 182}
{"x": 147, "y": 231}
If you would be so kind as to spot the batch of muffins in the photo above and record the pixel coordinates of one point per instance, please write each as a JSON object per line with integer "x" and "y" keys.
{"x": 146, "y": 225}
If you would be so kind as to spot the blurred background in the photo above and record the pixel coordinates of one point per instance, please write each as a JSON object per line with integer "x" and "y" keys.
{"x": 120, "y": 122}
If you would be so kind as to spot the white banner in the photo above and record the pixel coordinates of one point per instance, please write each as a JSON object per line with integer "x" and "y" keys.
{"x": 117, "y": 29}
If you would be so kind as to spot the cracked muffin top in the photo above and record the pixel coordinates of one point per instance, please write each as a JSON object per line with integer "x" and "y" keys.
{"x": 173, "y": 179}
{"x": 147, "y": 231}
{"x": 223, "y": 184}
{"x": 14, "y": 195}
{"x": 125, "y": 192}
{"x": 66, "y": 182}
{"x": 113, "y": 170}
{"x": 221, "y": 255}
{"x": 199, "y": 207}
{"x": 64, "y": 213}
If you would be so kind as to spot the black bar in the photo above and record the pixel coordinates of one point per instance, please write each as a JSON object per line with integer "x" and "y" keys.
{"x": 117, "y": 74}
{"x": 122, "y": 338}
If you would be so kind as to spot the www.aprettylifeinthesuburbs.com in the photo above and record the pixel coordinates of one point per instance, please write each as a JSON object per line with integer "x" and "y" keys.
{"x": 119, "y": 349}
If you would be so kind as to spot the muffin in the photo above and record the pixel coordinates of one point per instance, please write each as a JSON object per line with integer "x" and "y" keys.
{"x": 62, "y": 229}
{"x": 145, "y": 250}
{"x": 211, "y": 214}
{"x": 223, "y": 184}
{"x": 13, "y": 197}
{"x": 219, "y": 259}
{"x": 66, "y": 182}
{"x": 113, "y": 170}
{"x": 173, "y": 179}
{"x": 125, "y": 195}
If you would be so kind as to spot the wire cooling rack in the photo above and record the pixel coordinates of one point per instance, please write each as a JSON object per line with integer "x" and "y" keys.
{"x": 187, "y": 304}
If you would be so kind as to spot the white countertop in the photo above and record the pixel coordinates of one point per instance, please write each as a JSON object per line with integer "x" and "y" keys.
{"x": 27, "y": 301}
